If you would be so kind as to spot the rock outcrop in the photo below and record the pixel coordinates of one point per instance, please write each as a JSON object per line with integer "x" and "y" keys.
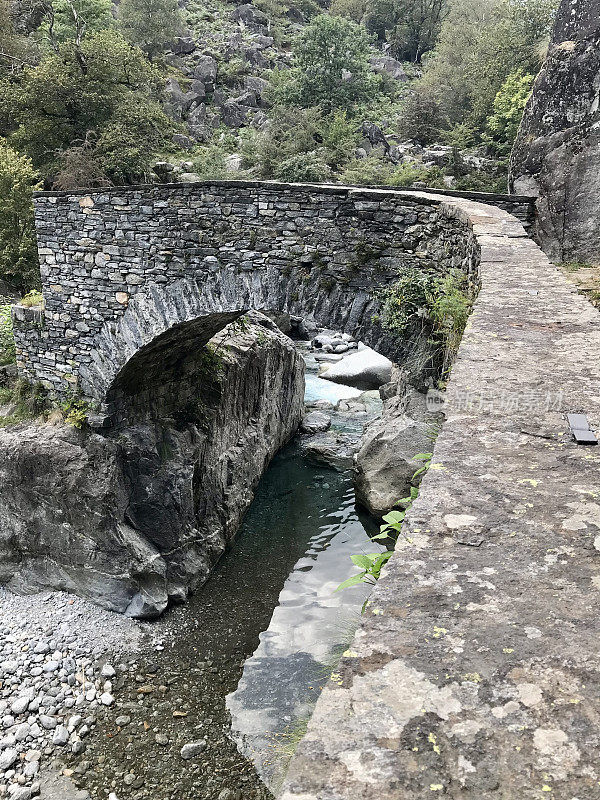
{"x": 134, "y": 517}
{"x": 384, "y": 464}
{"x": 556, "y": 156}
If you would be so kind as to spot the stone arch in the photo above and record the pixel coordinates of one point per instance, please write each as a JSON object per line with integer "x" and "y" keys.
{"x": 158, "y": 321}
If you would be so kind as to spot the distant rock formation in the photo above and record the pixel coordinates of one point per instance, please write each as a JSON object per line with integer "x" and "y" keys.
{"x": 557, "y": 153}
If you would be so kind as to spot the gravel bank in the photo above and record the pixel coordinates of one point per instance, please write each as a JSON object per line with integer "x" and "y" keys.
{"x": 56, "y": 672}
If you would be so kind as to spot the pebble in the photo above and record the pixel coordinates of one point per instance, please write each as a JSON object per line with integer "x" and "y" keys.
{"x": 50, "y": 644}
{"x": 193, "y": 749}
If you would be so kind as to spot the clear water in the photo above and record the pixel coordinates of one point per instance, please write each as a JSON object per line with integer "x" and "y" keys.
{"x": 246, "y": 657}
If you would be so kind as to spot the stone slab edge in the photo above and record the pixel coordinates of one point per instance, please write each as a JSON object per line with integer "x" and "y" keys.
{"x": 475, "y": 673}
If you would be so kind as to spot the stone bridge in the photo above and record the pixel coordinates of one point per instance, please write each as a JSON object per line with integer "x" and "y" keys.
{"x": 475, "y": 673}
{"x": 137, "y": 275}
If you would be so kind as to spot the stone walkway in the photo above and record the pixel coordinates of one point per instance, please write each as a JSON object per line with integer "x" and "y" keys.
{"x": 475, "y": 673}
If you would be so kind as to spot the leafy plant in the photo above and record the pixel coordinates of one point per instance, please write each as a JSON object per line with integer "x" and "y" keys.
{"x": 18, "y": 252}
{"x": 7, "y": 343}
{"x": 28, "y": 401}
{"x": 32, "y": 298}
{"x": 371, "y": 564}
{"x": 75, "y": 410}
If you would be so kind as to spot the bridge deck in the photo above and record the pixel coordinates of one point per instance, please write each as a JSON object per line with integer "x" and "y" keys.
{"x": 475, "y": 673}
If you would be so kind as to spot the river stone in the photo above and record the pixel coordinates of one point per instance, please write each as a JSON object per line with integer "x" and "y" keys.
{"x": 8, "y": 758}
{"x": 384, "y": 464}
{"x": 193, "y": 749}
{"x": 365, "y": 369}
{"x": 333, "y": 450}
{"x": 315, "y": 421}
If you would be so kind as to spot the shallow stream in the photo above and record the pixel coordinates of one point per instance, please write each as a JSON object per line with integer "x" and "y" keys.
{"x": 242, "y": 664}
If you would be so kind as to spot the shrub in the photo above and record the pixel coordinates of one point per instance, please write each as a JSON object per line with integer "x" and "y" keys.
{"x": 304, "y": 168}
{"x": 18, "y": 251}
{"x": 7, "y": 343}
{"x": 421, "y": 118}
{"x": 372, "y": 170}
{"x": 411, "y": 173}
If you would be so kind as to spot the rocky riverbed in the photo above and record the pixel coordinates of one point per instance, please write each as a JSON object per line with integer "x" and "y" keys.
{"x": 56, "y": 676}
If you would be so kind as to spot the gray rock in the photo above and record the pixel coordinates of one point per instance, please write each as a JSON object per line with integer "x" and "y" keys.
{"x": 365, "y": 369}
{"x": 384, "y": 464}
{"x": 8, "y": 758}
{"x": 193, "y": 749}
{"x": 556, "y": 157}
{"x": 233, "y": 114}
{"x": 189, "y": 177}
{"x": 183, "y": 45}
{"x": 335, "y": 451}
{"x": 182, "y": 141}
{"x": 20, "y": 705}
{"x": 61, "y": 736}
{"x": 314, "y": 422}
{"x": 163, "y": 549}
{"x": 249, "y": 15}
{"x": 206, "y": 70}
{"x": 386, "y": 65}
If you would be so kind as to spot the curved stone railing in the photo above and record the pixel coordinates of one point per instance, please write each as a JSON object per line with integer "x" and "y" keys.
{"x": 475, "y": 671}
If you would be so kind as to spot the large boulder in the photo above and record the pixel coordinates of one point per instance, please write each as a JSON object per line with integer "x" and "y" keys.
{"x": 135, "y": 517}
{"x": 386, "y": 65}
{"x": 233, "y": 114}
{"x": 206, "y": 70}
{"x": 384, "y": 463}
{"x": 183, "y": 45}
{"x": 556, "y": 157}
{"x": 250, "y": 16}
{"x": 365, "y": 369}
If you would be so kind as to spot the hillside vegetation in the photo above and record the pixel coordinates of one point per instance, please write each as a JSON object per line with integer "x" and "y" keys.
{"x": 395, "y": 92}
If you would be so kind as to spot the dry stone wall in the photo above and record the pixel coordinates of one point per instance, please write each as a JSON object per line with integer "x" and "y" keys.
{"x": 121, "y": 268}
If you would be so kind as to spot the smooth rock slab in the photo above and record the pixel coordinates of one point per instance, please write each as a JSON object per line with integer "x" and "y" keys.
{"x": 365, "y": 369}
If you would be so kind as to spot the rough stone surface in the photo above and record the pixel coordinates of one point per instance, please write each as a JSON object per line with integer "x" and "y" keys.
{"x": 557, "y": 153}
{"x": 136, "y": 515}
{"x": 315, "y": 422}
{"x": 474, "y": 674}
{"x": 384, "y": 463}
{"x": 122, "y": 267}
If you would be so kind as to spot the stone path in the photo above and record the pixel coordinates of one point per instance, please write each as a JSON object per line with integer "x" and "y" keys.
{"x": 475, "y": 673}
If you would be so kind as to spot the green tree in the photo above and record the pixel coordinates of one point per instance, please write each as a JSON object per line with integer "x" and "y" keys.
{"x": 333, "y": 70}
{"x": 150, "y": 23}
{"x": 18, "y": 252}
{"x": 509, "y": 104}
{"x": 480, "y": 43}
{"x": 74, "y": 19}
{"x": 410, "y": 26}
{"x": 75, "y": 91}
{"x": 129, "y": 140}
{"x": 351, "y": 9}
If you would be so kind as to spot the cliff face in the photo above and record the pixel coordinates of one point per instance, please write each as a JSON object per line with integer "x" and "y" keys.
{"x": 557, "y": 153}
{"x": 136, "y": 517}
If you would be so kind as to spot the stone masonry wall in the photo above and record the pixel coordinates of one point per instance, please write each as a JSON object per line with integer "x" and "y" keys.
{"x": 122, "y": 267}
